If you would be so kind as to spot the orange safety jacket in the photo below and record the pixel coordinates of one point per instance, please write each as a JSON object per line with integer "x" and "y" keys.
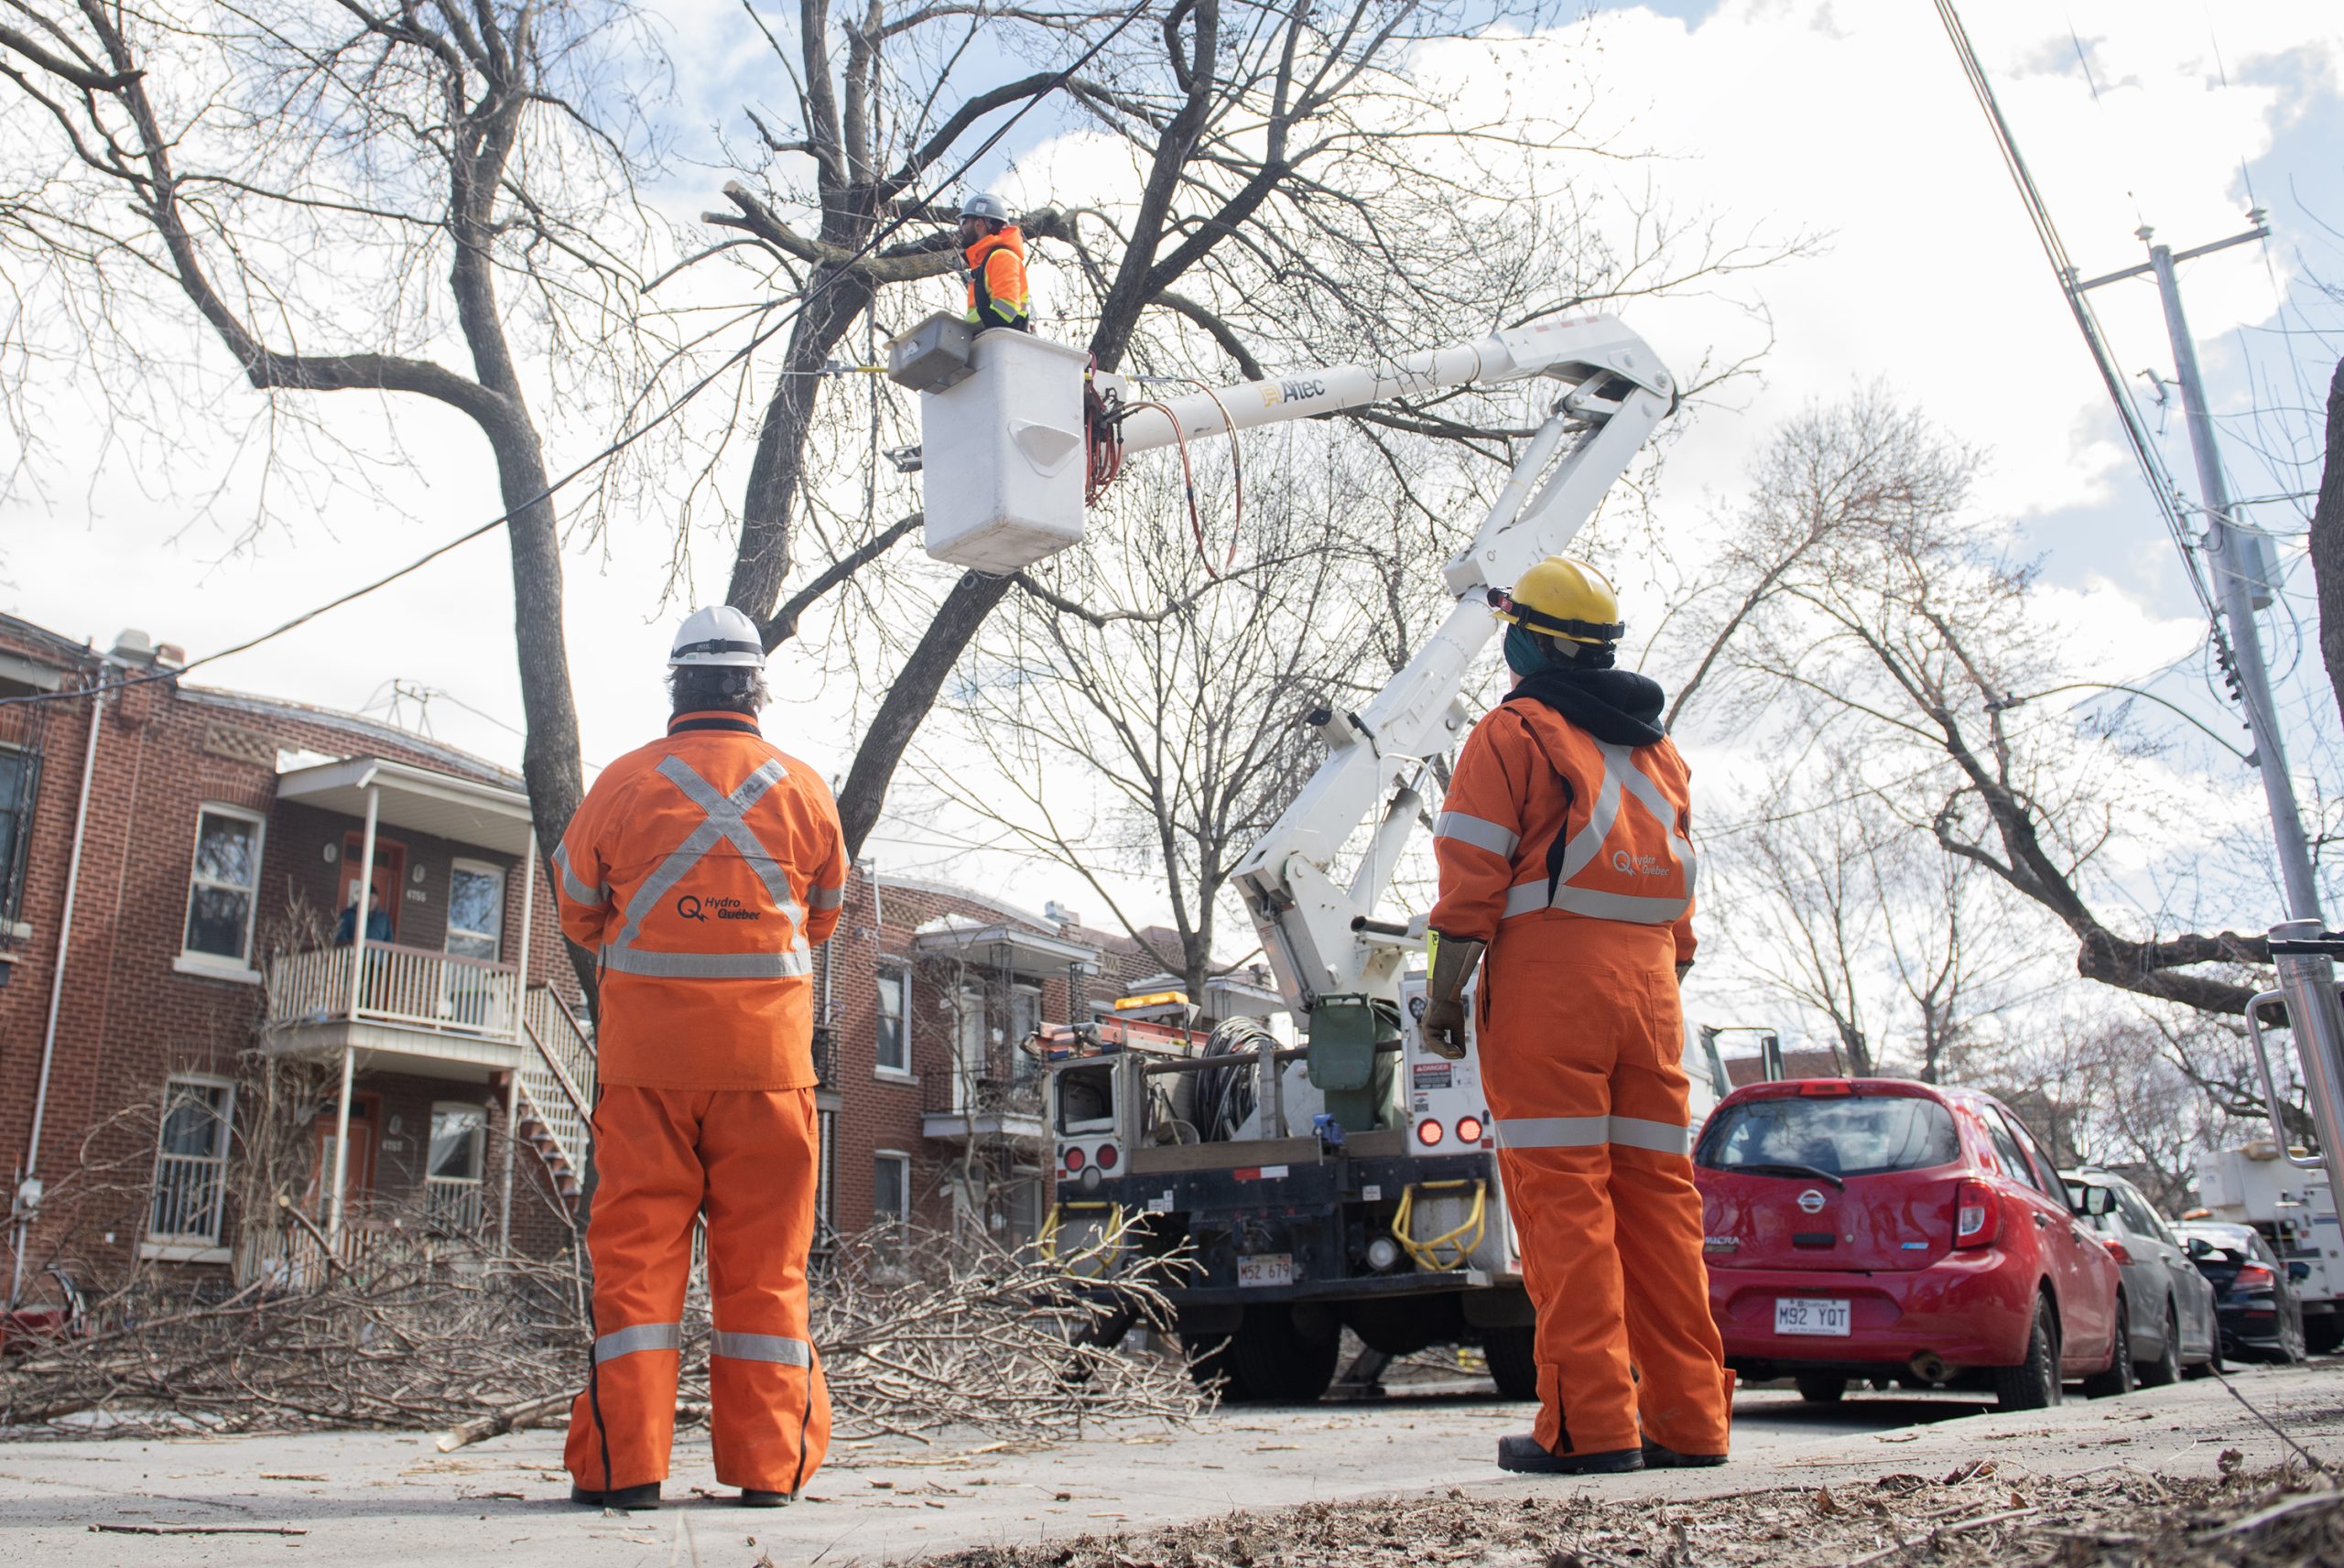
{"x": 1546, "y": 824}
{"x": 997, "y": 296}
{"x": 701, "y": 870}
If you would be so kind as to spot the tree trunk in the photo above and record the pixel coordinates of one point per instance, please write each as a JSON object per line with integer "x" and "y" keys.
{"x": 908, "y": 700}
{"x": 835, "y": 302}
{"x": 2328, "y": 541}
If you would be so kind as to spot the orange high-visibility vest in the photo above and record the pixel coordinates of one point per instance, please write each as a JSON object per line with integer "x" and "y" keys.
{"x": 701, "y": 870}
{"x": 1544, "y": 822}
{"x": 997, "y": 293}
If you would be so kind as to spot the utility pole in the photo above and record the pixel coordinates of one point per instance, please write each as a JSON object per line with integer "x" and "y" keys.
{"x": 2242, "y": 570}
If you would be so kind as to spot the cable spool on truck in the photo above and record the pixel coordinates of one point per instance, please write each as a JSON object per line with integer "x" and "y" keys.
{"x": 1349, "y": 1180}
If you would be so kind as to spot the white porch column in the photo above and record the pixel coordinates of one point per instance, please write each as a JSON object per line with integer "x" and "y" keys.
{"x": 357, "y": 985}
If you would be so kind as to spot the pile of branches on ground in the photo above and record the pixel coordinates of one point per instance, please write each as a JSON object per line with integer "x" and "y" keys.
{"x": 1980, "y": 1515}
{"x": 916, "y": 1335}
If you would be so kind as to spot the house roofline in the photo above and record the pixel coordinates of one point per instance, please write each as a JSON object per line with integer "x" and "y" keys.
{"x": 356, "y": 725}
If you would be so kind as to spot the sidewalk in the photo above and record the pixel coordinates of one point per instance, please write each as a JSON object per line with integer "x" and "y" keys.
{"x": 378, "y": 1498}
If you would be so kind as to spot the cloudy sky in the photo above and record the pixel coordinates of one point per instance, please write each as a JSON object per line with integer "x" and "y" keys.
{"x": 1848, "y": 120}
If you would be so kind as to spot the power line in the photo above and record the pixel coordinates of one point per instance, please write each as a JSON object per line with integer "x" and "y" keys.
{"x": 838, "y": 270}
{"x": 2054, "y": 250}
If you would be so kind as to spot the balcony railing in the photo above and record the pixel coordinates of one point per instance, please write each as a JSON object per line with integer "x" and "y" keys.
{"x": 409, "y": 985}
{"x": 826, "y": 1056}
{"x": 454, "y": 1207}
{"x": 188, "y": 1190}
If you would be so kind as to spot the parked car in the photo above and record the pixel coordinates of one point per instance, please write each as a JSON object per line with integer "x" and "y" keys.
{"x": 1874, "y": 1227}
{"x": 2169, "y": 1303}
{"x": 2254, "y": 1293}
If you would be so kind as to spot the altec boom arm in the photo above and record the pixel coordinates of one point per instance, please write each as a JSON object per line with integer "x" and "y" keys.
{"x": 1609, "y": 391}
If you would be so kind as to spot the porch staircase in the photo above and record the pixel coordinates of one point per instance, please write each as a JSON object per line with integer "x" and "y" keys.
{"x": 557, "y": 1088}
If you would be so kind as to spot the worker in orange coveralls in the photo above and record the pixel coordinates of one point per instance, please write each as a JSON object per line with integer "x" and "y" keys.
{"x": 994, "y": 249}
{"x": 701, "y": 869}
{"x": 1564, "y": 851}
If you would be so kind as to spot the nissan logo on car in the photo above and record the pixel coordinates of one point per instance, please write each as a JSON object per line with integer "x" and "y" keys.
{"x": 1811, "y": 1201}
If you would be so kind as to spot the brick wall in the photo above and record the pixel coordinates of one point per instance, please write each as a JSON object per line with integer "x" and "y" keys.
{"x": 876, "y": 1110}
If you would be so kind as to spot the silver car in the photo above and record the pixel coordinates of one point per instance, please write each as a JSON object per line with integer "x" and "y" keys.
{"x": 2168, "y": 1304}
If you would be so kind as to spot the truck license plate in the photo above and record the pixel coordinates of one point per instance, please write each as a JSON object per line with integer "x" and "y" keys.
{"x": 1806, "y": 1315}
{"x": 1271, "y": 1269}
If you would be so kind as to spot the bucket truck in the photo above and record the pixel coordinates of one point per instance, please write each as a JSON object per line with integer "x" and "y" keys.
{"x": 1350, "y": 1180}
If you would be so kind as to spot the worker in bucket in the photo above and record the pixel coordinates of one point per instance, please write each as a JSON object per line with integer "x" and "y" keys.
{"x": 701, "y": 870}
{"x": 995, "y": 253}
{"x": 1567, "y": 876}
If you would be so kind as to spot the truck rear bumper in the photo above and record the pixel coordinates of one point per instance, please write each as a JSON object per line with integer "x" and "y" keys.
{"x": 1421, "y": 1283}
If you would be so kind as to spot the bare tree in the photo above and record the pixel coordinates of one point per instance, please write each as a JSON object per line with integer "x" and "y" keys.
{"x": 1301, "y": 189}
{"x": 1145, "y": 720}
{"x": 1915, "y": 633}
{"x": 1804, "y": 916}
{"x": 428, "y": 199}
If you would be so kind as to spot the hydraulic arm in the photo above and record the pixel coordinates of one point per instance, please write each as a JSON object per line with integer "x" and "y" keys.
{"x": 1606, "y": 390}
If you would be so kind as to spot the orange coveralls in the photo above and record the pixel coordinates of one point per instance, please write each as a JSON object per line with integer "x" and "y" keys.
{"x": 997, "y": 291}
{"x": 701, "y": 869}
{"x": 1570, "y": 857}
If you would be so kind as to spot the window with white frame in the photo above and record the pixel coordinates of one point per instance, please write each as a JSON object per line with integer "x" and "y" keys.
{"x": 451, "y": 1184}
{"x": 1024, "y": 1017}
{"x": 475, "y": 931}
{"x": 891, "y": 1188}
{"x": 895, "y": 1019}
{"x": 221, "y": 886}
{"x": 826, "y": 1178}
{"x": 191, "y": 1162}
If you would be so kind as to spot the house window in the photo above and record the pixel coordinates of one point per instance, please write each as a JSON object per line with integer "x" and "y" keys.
{"x": 451, "y": 1187}
{"x": 475, "y": 932}
{"x": 891, "y": 1188}
{"x": 895, "y": 1013}
{"x": 1024, "y": 1017}
{"x": 219, "y": 891}
{"x": 191, "y": 1162}
{"x": 19, "y": 771}
{"x": 1022, "y": 1205}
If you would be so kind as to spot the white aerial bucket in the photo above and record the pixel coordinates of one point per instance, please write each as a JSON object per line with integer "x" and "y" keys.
{"x": 1002, "y": 462}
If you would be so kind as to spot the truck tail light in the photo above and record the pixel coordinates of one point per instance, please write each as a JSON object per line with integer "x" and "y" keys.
{"x": 1106, "y": 1156}
{"x": 2253, "y": 1277}
{"x": 1074, "y": 1158}
{"x": 1977, "y": 1215}
{"x": 1469, "y": 1129}
{"x": 1428, "y": 1131}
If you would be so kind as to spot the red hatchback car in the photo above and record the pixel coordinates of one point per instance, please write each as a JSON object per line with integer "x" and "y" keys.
{"x": 1873, "y": 1228}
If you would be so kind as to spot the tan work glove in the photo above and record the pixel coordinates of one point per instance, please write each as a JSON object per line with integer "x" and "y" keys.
{"x": 1453, "y": 961}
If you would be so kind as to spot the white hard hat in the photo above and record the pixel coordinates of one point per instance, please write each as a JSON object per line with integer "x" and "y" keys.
{"x": 719, "y": 635}
{"x": 985, "y": 204}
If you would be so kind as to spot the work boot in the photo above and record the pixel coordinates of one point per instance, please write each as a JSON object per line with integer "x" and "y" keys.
{"x": 632, "y": 1500}
{"x": 1526, "y": 1454}
{"x": 753, "y": 1499}
{"x": 1660, "y": 1456}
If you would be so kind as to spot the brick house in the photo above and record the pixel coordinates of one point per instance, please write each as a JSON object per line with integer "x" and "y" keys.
{"x": 189, "y": 861}
{"x": 929, "y": 1110}
{"x": 211, "y": 840}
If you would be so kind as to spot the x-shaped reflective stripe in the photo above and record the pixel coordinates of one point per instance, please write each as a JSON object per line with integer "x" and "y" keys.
{"x": 724, "y": 821}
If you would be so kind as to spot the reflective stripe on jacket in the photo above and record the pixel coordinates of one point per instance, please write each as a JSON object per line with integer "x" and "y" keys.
{"x": 997, "y": 294}
{"x": 1545, "y": 822}
{"x": 701, "y": 870}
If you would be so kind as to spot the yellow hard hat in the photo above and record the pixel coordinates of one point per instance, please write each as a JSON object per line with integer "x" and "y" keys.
{"x": 1562, "y": 598}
